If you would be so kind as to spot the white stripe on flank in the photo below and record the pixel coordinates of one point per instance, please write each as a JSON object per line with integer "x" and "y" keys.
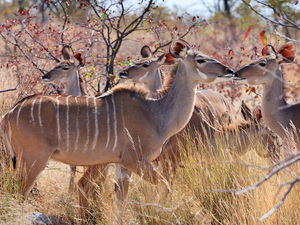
{"x": 31, "y": 111}
{"x": 57, "y": 119}
{"x": 108, "y": 122}
{"x": 87, "y": 125}
{"x": 40, "y": 118}
{"x": 96, "y": 125}
{"x": 77, "y": 124}
{"x": 115, "y": 121}
{"x": 68, "y": 123}
{"x": 8, "y": 143}
{"x": 19, "y": 111}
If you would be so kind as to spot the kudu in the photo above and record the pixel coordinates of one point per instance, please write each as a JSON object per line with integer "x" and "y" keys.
{"x": 278, "y": 115}
{"x": 122, "y": 127}
{"x": 212, "y": 114}
{"x": 66, "y": 73}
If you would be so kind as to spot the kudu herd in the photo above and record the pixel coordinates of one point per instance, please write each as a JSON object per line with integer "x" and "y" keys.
{"x": 132, "y": 127}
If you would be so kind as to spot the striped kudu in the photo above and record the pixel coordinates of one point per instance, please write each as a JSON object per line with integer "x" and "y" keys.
{"x": 212, "y": 112}
{"x": 122, "y": 127}
{"x": 277, "y": 113}
{"x": 66, "y": 73}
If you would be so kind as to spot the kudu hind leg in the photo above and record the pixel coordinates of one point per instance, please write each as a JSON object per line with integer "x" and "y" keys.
{"x": 31, "y": 168}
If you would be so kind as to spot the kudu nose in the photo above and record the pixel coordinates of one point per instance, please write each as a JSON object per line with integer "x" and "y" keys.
{"x": 229, "y": 71}
{"x": 123, "y": 75}
{"x": 45, "y": 76}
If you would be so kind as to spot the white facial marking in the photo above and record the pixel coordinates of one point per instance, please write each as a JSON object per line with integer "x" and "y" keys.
{"x": 68, "y": 123}
{"x": 143, "y": 77}
{"x": 77, "y": 124}
{"x": 115, "y": 121}
{"x": 87, "y": 125}
{"x": 202, "y": 75}
{"x": 40, "y": 118}
{"x": 96, "y": 125}
{"x": 19, "y": 111}
{"x": 57, "y": 119}
{"x": 107, "y": 122}
{"x": 31, "y": 111}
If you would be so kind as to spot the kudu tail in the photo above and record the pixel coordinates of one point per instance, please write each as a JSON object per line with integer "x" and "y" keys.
{"x": 7, "y": 134}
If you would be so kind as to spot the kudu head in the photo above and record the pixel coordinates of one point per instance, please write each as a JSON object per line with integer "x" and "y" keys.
{"x": 269, "y": 141}
{"x": 65, "y": 72}
{"x": 201, "y": 67}
{"x": 265, "y": 69}
{"x": 147, "y": 70}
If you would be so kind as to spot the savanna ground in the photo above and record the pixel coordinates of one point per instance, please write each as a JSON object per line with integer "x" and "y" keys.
{"x": 199, "y": 189}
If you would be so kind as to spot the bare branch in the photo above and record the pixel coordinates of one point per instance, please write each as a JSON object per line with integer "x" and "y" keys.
{"x": 12, "y": 89}
{"x": 293, "y": 25}
{"x": 291, "y": 184}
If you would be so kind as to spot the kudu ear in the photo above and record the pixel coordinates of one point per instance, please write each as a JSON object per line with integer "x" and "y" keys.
{"x": 166, "y": 59}
{"x": 66, "y": 52}
{"x": 286, "y": 52}
{"x": 146, "y": 52}
{"x": 246, "y": 112}
{"x": 80, "y": 57}
{"x": 179, "y": 48}
{"x": 269, "y": 50}
{"x": 257, "y": 113}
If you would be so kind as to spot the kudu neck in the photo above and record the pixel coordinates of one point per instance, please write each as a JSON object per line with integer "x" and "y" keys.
{"x": 273, "y": 104}
{"x": 175, "y": 109}
{"x": 72, "y": 87}
{"x": 155, "y": 84}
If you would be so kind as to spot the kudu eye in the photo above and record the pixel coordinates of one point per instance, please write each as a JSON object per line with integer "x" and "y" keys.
{"x": 65, "y": 68}
{"x": 145, "y": 65}
{"x": 200, "y": 60}
{"x": 263, "y": 63}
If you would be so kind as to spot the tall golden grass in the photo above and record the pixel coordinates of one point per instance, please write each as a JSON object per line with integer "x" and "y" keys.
{"x": 199, "y": 192}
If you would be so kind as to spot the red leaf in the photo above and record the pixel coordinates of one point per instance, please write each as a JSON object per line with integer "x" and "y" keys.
{"x": 262, "y": 37}
{"x": 247, "y": 32}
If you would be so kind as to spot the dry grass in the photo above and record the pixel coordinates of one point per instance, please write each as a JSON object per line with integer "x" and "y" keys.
{"x": 195, "y": 197}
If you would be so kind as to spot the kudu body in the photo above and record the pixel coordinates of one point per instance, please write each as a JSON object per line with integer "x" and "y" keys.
{"x": 122, "y": 127}
{"x": 278, "y": 115}
{"x": 212, "y": 114}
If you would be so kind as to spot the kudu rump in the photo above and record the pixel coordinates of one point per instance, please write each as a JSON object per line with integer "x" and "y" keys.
{"x": 121, "y": 127}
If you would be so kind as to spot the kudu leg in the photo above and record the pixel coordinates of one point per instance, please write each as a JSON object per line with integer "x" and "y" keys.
{"x": 30, "y": 171}
{"x": 72, "y": 178}
{"x": 122, "y": 176}
{"x": 92, "y": 173}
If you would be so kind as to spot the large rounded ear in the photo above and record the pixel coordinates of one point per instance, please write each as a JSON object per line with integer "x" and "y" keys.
{"x": 246, "y": 112}
{"x": 257, "y": 113}
{"x": 179, "y": 48}
{"x": 146, "y": 52}
{"x": 166, "y": 59}
{"x": 66, "y": 52}
{"x": 268, "y": 50}
{"x": 286, "y": 52}
{"x": 80, "y": 57}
